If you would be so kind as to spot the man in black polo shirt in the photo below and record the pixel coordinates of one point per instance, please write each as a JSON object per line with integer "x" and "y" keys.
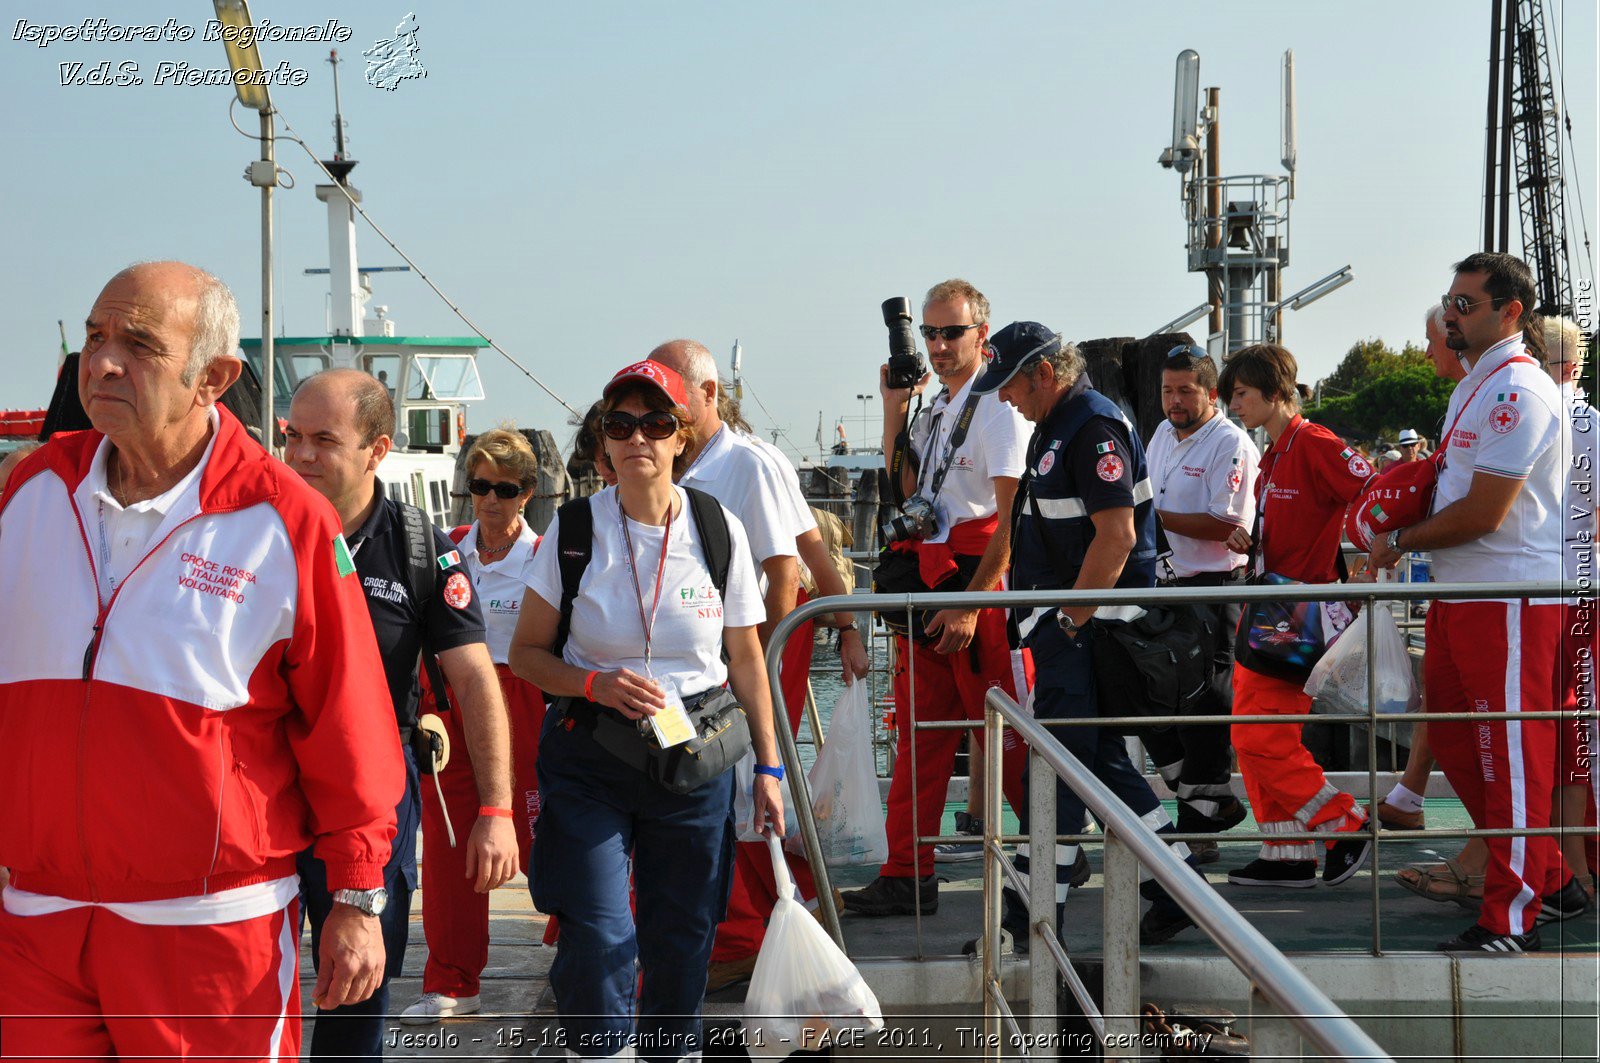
{"x": 339, "y": 429}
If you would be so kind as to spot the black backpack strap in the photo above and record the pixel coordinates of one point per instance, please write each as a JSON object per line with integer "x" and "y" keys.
{"x": 574, "y": 549}
{"x": 712, "y": 522}
{"x": 422, "y": 581}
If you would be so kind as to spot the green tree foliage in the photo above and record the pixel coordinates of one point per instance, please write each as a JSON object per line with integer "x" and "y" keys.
{"x": 1383, "y": 391}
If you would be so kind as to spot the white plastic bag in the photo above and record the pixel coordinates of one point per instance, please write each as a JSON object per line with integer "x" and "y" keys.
{"x": 744, "y": 774}
{"x": 844, "y": 788}
{"x": 1339, "y": 680}
{"x": 804, "y": 990}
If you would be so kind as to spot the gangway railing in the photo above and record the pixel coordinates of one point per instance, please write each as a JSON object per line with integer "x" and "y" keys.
{"x": 1129, "y": 842}
{"x": 1368, "y": 593}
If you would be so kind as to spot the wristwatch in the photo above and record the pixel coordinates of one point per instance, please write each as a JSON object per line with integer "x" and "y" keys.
{"x": 842, "y": 628}
{"x": 1394, "y": 541}
{"x": 369, "y": 902}
{"x": 1069, "y": 626}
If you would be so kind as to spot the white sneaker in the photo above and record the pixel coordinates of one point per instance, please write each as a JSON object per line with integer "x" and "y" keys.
{"x": 431, "y": 1007}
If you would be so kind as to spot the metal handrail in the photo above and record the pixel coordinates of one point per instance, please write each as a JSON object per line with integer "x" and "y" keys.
{"x": 1244, "y": 594}
{"x": 1269, "y": 971}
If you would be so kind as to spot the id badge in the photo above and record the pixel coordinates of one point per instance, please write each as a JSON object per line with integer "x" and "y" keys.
{"x": 671, "y": 725}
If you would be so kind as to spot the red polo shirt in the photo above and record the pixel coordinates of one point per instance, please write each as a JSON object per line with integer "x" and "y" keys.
{"x": 1308, "y": 478}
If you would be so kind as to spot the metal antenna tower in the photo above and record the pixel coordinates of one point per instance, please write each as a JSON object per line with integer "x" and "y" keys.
{"x": 1523, "y": 145}
{"x": 1238, "y": 226}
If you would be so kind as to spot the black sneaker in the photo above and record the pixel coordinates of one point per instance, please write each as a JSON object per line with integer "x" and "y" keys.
{"x": 961, "y": 852}
{"x": 1162, "y": 923}
{"x": 1081, "y": 871}
{"x": 1568, "y": 902}
{"x": 1344, "y": 859}
{"x": 894, "y": 896}
{"x": 1292, "y": 874}
{"x": 1481, "y": 939}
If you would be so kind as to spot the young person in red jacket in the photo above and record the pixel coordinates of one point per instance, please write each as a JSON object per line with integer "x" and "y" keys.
{"x": 1306, "y": 479}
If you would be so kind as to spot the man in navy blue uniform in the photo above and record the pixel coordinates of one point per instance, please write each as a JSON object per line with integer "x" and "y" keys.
{"x": 1082, "y": 519}
{"x": 340, "y": 427}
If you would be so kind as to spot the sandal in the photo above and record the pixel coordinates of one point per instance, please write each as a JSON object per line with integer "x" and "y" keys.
{"x": 1443, "y": 882}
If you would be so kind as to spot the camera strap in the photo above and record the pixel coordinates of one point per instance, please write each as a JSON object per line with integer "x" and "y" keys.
{"x": 901, "y": 458}
{"x": 958, "y": 435}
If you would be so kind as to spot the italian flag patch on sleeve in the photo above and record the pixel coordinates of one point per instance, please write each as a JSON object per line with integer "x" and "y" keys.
{"x": 1105, "y": 448}
{"x": 342, "y": 559}
{"x": 450, "y": 560}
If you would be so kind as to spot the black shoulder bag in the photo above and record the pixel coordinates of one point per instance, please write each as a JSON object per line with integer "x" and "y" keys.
{"x": 722, "y": 731}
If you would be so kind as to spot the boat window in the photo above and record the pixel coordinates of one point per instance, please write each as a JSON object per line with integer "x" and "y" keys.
{"x": 386, "y": 367}
{"x": 436, "y": 496}
{"x": 309, "y": 365}
{"x": 444, "y": 376}
{"x": 429, "y": 428}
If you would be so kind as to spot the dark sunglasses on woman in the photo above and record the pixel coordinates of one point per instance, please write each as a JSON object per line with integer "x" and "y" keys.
{"x": 657, "y": 424}
{"x": 500, "y": 488}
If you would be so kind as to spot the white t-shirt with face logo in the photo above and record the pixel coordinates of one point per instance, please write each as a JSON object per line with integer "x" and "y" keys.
{"x": 500, "y": 585}
{"x": 607, "y": 632}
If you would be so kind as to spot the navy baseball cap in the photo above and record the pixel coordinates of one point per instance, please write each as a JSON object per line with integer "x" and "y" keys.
{"x": 1014, "y": 347}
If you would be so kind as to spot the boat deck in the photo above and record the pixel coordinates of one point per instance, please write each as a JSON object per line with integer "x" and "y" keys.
{"x": 1328, "y": 922}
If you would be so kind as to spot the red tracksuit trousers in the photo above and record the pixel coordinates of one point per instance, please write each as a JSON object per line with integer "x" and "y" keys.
{"x": 88, "y": 984}
{"x": 755, "y": 891}
{"x": 1499, "y": 659}
{"x": 948, "y": 687}
{"x": 1287, "y": 789}
{"x": 455, "y": 917}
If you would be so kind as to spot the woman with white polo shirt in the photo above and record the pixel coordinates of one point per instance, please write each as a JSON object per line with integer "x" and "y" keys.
{"x": 498, "y": 549}
{"x": 648, "y": 627}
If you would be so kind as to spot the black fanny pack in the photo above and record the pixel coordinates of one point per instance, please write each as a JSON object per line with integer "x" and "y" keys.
{"x": 1157, "y": 665}
{"x": 898, "y": 572}
{"x": 721, "y": 737}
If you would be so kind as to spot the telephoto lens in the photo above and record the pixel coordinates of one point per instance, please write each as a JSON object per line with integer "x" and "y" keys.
{"x": 905, "y": 367}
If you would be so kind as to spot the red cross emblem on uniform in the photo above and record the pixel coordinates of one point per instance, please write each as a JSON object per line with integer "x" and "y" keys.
{"x": 1503, "y": 418}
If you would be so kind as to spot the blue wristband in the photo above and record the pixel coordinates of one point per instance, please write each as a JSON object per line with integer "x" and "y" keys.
{"x": 776, "y": 773}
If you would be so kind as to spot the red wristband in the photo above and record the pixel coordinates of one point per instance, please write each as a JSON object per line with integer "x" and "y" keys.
{"x": 588, "y": 685}
{"x": 485, "y": 810}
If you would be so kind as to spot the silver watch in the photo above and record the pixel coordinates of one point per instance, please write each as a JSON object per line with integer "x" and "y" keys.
{"x": 1069, "y": 626}
{"x": 370, "y": 902}
{"x": 1394, "y": 542}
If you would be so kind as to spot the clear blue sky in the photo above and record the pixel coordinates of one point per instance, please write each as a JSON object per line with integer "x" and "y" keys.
{"x": 588, "y": 180}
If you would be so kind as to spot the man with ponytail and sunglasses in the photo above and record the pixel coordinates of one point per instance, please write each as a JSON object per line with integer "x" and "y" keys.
{"x": 340, "y": 426}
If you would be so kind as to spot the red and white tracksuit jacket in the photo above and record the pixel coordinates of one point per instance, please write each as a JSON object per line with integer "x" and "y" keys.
{"x": 223, "y": 710}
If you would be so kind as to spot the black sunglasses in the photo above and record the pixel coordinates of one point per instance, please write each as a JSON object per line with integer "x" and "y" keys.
{"x": 1462, "y": 304}
{"x": 500, "y": 488}
{"x": 949, "y": 333}
{"x": 657, "y": 424}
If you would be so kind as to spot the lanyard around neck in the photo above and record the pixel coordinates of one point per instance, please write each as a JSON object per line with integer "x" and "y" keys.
{"x": 648, "y": 623}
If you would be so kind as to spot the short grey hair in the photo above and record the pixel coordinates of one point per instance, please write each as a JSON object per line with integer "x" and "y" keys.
{"x": 1434, "y": 317}
{"x": 216, "y": 319}
{"x": 216, "y": 327}
{"x": 1564, "y": 341}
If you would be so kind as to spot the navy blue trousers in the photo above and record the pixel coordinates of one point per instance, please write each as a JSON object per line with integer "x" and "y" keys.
{"x": 1064, "y": 689}
{"x": 358, "y": 1030}
{"x": 601, "y": 820}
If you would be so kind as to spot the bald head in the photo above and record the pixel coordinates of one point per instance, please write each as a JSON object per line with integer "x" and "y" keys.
{"x": 693, "y": 362}
{"x": 370, "y": 407}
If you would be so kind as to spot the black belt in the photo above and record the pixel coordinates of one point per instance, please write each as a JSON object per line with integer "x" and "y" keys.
{"x": 1208, "y": 579}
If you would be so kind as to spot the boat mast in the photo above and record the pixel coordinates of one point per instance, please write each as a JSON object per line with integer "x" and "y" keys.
{"x": 344, "y": 286}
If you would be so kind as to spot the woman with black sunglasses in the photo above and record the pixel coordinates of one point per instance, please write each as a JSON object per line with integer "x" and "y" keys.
{"x": 497, "y": 550}
{"x": 648, "y": 629}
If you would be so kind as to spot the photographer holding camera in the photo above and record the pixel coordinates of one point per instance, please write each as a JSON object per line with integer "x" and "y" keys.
{"x": 957, "y": 466}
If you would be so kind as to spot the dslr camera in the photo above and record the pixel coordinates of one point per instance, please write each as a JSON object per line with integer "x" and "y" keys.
{"x": 905, "y": 365}
{"x": 917, "y": 520}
